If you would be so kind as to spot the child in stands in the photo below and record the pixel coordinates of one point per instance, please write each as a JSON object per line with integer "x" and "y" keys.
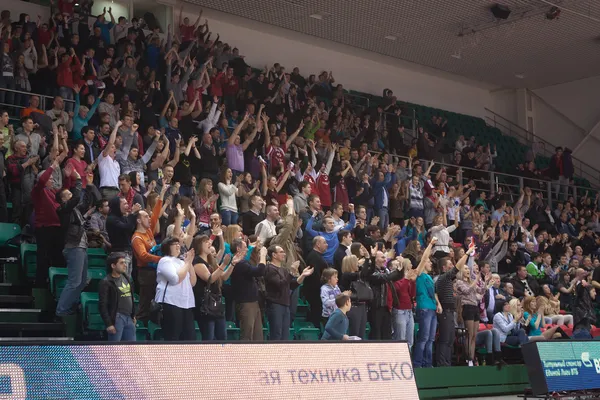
{"x": 337, "y": 324}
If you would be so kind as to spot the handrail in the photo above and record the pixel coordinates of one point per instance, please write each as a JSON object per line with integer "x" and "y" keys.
{"x": 582, "y": 173}
{"x": 545, "y": 185}
{"x": 591, "y": 172}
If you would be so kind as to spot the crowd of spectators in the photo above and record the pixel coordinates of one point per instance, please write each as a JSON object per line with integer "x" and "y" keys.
{"x": 205, "y": 179}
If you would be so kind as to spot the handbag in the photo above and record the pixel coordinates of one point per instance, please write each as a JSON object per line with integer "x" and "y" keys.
{"x": 362, "y": 290}
{"x": 156, "y": 309}
{"x": 211, "y": 303}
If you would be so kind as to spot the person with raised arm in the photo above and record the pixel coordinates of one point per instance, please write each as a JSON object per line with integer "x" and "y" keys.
{"x": 427, "y": 306}
{"x": 109, "y": 167}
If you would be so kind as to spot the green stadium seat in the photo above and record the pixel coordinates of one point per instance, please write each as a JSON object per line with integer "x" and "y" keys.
{"x": 7, "y": 232}
{"x": 154, "y": 331}
{"x": 91, "y": 314}
{"x": 233, "y": 332}
{"x": 29, "y": 258}
{"x": 58, "y": 280}
{"x": 308, "y": 334}
{"x": 141, "y": 332}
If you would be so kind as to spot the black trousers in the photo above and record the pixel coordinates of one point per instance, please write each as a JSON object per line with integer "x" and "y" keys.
{"x": 50, "y": 242}
{"x": 315, "y": 309}
{"x": 381, "y": 324}
{"x": 357, "y": 320}
{"x": 445, "y": 341}
{"x": 3, "y": 209}
{"x": 178, "y": 323}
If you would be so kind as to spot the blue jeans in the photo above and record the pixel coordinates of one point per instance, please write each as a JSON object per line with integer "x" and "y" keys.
{"x": 229, "y": 217}
{"x": 424, "y": 347}
{"x": 384, "y": 218}
{"x": 125, "y": 329}
{"x": 404, "y": 326}
{"x": 213, "y": 328}
{"x": 77, "y": 265}
{"x": 279, "y": 321}
{"x": 490, "y": 339}
{"x": 518, "y": 338}
{"x": 67, "y": 94}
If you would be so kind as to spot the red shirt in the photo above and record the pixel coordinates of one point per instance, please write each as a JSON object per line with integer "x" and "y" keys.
{"x": 406, "y": 290}
{"x": 276, "y": 156}
{"x": 324, "y": 189}
{"x": 79, "y": 166}
{"x": 341, "y": 194}
{"x": 309, "y": 179}
{"x": 44, "y": 37}
{"x": 44, "y": 202}
{"x": 187, "y": 32}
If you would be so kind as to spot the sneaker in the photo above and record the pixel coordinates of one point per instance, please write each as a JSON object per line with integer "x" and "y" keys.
{"x": 470, "y": 363}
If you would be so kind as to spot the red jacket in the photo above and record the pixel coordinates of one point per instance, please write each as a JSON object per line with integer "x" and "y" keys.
{"x": 228, "y": 85}
{"x": 44, "y": 202}
{"x": 69, "y": 74}
{"x": 406, "y": 290}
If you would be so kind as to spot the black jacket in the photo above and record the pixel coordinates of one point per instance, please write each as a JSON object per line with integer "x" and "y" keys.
{"x": 312, "y": 284}
{"x": 71, "y": 221}
{"x": 520, "y": 288}
{"x": 109, "y": 296}
{"x": 243, "y": 284}
{"x": 119, "y": 228}
{"x": 381, "y": 281}
{"x": 338, "y": 256}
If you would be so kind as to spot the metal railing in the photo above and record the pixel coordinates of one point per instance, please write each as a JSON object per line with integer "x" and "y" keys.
{"x": 490, "y": 181}
{"x": 45, "y": 100}
{"x": 527, "y": 138}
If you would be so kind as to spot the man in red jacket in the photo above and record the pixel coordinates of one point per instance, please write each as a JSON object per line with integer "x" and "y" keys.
{"x": 47, "y": 224}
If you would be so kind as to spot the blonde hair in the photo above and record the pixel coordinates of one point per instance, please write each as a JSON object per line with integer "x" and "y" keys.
{"x": 231, "y": 232}
{"x": 514, "y": 306}
{"x": 350, "y": 264}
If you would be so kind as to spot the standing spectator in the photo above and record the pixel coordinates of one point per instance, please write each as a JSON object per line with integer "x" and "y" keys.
{"x": 444, "y": 291}
{"x": 469, "y": 293}
{"x": 48, "y": 232}
{"x": 212, "y": 322}
{"x": 402, "y": 313}
{"x": 75, "y": 251}
{"x": 330, "y": 234}
{"x": 116, "y": 304}
{"x": 245, "y": 291}
{"x": 228, "y": 193}
{"x": 109, "y": 167}
{"x": 278, "y": 283}
{"x": 21, "y": 172}
{"x": 312, "y": 285}
{"x": 142, "y": 242}
{"x": 427, "y": 306}
{"x": 120, "y": 225}
{"x": 175, "y": 281}
{"x": 266, "y": 229}
{"x": 382, "y": 278}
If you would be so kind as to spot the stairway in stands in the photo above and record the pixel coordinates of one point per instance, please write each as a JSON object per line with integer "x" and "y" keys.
{"x": 26, "y": 314}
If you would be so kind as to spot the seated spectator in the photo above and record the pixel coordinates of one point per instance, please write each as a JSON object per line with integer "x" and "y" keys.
{"x": 524, "y": 284}
{"x": 507, "y": 323}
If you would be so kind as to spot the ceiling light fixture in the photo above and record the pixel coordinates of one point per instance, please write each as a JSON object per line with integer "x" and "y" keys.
{"x": 316, "y": 16}
{"x": 520, "y": 76}
{"x": 457, "y": 55}
{"x": 391, "y": 37}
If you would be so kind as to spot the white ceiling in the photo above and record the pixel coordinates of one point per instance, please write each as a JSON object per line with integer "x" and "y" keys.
{"x": 544, "y": 52}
